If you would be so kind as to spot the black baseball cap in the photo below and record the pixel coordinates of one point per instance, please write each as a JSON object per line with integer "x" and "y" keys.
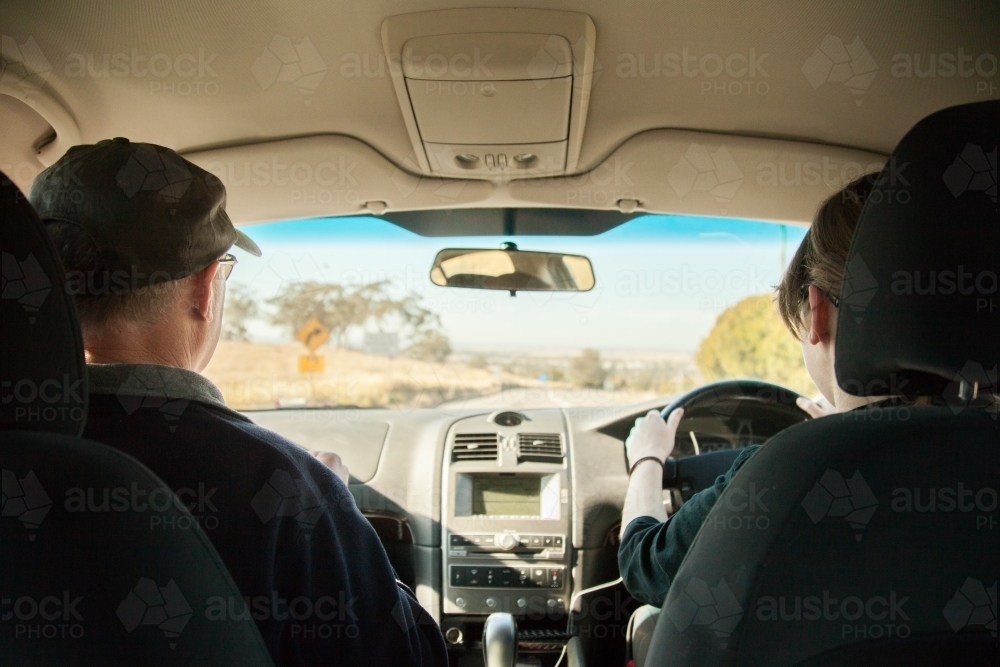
{"x": 149, "y": 211}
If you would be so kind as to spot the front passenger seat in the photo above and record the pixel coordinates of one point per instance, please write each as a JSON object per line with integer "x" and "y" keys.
{"x": 882, "y": 539}
{"x": 99, "y": 563}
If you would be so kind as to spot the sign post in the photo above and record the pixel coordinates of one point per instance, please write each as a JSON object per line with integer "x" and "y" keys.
{"x": 312, "y": 334}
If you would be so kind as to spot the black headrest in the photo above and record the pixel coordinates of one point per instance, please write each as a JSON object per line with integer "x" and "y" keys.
{"x": 920, "y": 305}
{"x": 44, "y": 381}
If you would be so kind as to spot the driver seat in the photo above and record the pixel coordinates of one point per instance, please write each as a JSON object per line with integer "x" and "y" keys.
{"x": 882, "y": 539}
{"x": 100, "y": 564}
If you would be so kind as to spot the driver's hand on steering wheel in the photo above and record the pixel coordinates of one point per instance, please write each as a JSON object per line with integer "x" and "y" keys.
{"x": 817, "y": 408}
{"x": 651, "y": 436}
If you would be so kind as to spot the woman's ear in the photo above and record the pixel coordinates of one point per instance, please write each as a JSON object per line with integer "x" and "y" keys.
{"x": 819, "y": 317}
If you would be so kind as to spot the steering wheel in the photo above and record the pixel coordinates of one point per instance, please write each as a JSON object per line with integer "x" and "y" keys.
{"x": 720, "y": 419}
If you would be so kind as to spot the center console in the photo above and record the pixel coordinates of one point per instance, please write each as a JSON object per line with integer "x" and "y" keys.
{"x": 505, "y": 520}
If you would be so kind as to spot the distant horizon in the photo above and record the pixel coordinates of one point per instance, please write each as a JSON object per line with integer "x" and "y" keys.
{"x": 461, "y": 349}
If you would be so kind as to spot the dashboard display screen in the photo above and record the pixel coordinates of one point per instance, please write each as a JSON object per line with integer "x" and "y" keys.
{"x": 496, "y": 495}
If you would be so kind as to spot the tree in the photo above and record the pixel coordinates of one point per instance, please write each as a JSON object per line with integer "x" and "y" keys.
{"x": 342, "y": 309}
{"x": 336, "y": 307}
{"x": 433, "y": 346}
{"x": 240, "y": 308}
{"x": 587, "y": 370}
{"x": 749, "y": 340}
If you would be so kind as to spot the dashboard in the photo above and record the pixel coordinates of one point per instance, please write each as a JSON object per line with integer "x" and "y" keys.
{"x": 481, "y": 511}
{"x": 506, "y": 509}
{"x": 514, "y": 510}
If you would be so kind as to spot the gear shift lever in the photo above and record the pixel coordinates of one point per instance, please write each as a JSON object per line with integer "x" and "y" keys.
{"x": 500, "y": 641}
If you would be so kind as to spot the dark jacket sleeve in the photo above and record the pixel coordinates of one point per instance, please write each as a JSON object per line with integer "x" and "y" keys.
{"x": 330, "y": 552}
{"x": 310, "y": 567}
{"x": 651, "y": 552}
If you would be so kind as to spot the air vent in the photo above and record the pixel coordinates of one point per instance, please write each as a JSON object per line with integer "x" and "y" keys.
{"x": 475, "y": 447}
{"x": 539, "y": 447}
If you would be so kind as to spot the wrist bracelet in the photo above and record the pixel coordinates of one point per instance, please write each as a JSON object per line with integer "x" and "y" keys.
{"x": 644, "y": 458}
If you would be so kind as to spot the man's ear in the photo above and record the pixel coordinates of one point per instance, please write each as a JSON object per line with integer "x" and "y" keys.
{"x": 203, "y": 293}
{"x": 819, "y": 316}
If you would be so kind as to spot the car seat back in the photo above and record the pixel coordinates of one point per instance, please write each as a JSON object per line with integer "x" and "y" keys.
{"x": 101, "y": 563}
{"x": 876, "y": 537}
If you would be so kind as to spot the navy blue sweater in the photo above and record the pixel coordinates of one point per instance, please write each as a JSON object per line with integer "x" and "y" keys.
{"x": 651, "y": 551}
{"x": 312, "y": 570}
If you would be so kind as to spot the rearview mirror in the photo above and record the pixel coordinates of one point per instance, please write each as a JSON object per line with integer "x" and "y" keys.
{"x": 512, "y": 269}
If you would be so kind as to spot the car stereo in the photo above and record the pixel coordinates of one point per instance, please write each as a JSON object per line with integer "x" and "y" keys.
{"x": 505, "y": 527}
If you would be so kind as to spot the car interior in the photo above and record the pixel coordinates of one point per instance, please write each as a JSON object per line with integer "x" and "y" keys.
{"x": 512, "y": 143}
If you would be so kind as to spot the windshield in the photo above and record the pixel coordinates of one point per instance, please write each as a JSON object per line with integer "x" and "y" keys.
{"x": 342, "y": 312}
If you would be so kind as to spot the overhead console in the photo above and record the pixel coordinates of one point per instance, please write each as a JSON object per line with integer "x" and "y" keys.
{"x": 506, "y": 514}
{"x": 492, "y": 93}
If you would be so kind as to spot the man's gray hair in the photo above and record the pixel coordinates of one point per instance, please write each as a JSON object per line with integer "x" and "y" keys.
{"x": 105, "y": 297}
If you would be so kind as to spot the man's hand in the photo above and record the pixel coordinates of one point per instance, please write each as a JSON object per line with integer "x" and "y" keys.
{"x": 651, "y": 436}
{"x": 815, "y": 409}
{"x": 333, "y": 462}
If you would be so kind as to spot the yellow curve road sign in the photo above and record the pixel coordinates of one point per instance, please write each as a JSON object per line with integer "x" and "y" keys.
{"x": 311, "y": 363}
{"x": 313, "y": 334}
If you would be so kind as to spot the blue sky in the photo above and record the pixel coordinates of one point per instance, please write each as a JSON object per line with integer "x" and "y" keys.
{"x": 661, "y": 280}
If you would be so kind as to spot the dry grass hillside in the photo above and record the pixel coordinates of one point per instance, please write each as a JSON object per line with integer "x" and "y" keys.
{"x": 258, "y": 376}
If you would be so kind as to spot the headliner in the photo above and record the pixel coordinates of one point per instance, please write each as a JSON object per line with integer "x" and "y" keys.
{"x": 777, "y": 112}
